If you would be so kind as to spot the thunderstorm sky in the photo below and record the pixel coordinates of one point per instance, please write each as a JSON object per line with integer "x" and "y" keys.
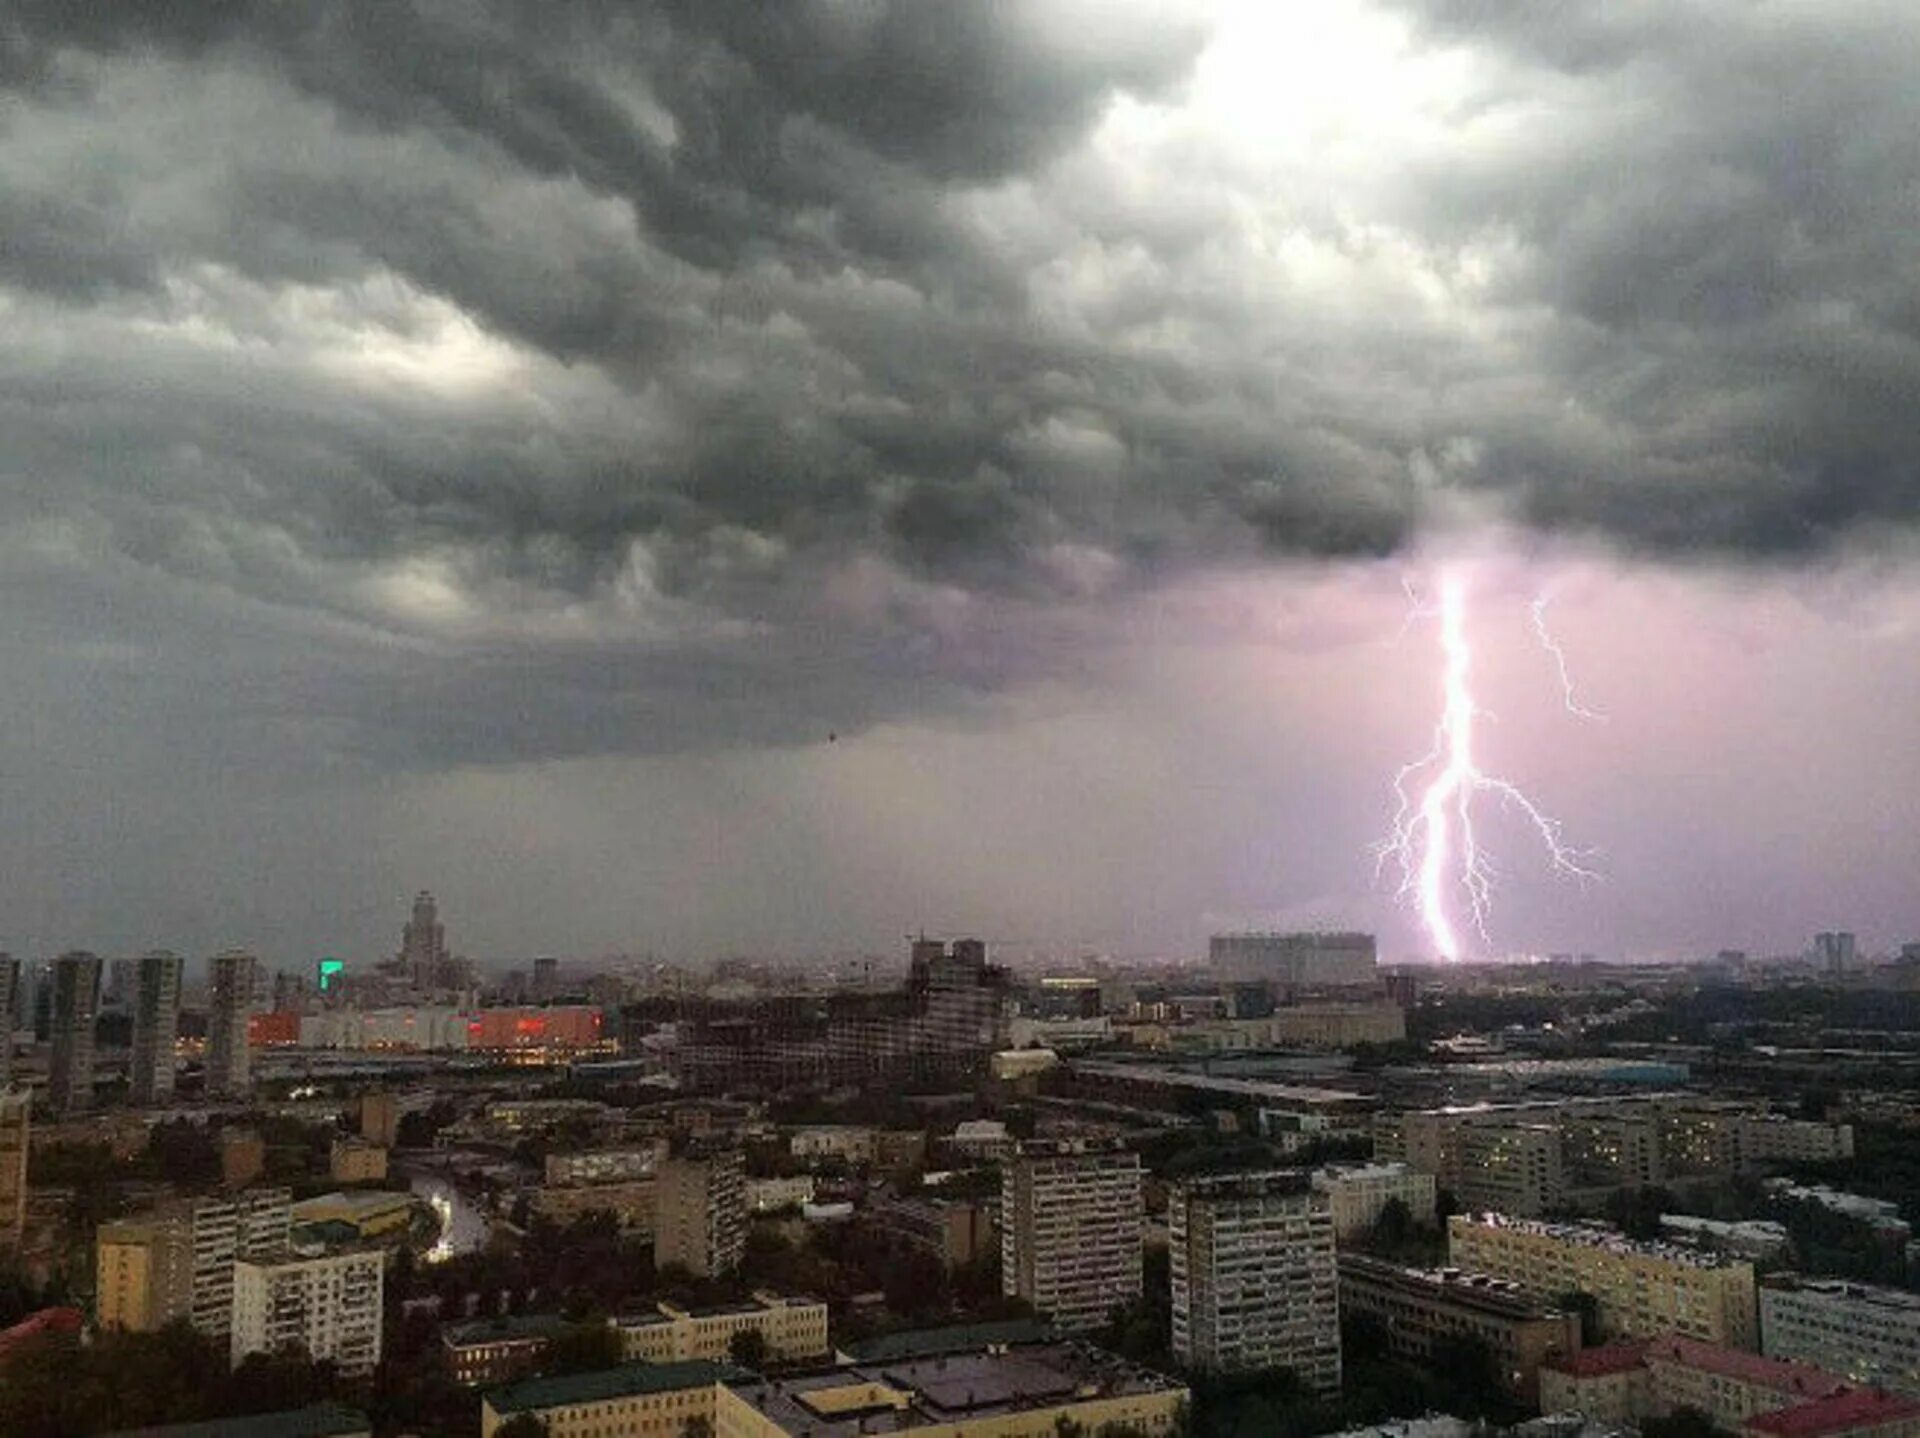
{"x": 492, "y": 447}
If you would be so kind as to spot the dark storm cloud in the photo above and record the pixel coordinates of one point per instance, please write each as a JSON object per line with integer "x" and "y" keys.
{"x": 517, "y": 380}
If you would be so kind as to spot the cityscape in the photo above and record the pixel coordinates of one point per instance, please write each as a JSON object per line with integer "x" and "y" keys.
{"x": 959, "y": 718}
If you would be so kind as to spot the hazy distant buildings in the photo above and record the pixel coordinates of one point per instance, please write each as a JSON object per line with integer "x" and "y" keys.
{"x": 423, "y": 945}
{"x": 230, "y": 988}
{"x": 1253, "y": 1276}
{"x": 156, "y": 1024}
{"x": 1070, "y": 1219}
{"x": 546, "y": 980}
{"x": 1834, "y": 953}
{"x": 10, "y": 1004}
{"x": 76, "y": 1008}
{"x": 1296, "y": 961}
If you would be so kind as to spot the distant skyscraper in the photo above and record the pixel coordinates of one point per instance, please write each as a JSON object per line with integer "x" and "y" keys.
{"x": 1296, "y": 961}
{"x": 423, "y": 944}
{"x": 1833, "y": 953}
{"x": 76, "y": 1006}
{"x": 546, "y": 979}
{"x": 9, "y": 1014}
{"x": 229, "y": 996}
{"x": 156, "y": 1023}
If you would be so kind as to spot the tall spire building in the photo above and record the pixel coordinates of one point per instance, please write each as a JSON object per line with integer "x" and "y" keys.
{"x": 423, "y": 945}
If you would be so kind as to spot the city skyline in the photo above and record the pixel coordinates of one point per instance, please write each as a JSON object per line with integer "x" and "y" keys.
{"x": 708, "y": 490}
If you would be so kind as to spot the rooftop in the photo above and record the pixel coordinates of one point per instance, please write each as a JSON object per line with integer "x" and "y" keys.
{"x": 1483, "y": 1291}
{"x": 1844, "y": 1290}
{"x": 1600, "y": 1362}
{"x": 1750, "y": 1368}
{"x": 500, "y": 1330}
{"x": 1844, "y": 1411}
{"x": 891, "y": 1397}
{"x": 322, "y": 1420}
{"x": 1598, "y": 1235}
{"x": 626, "y": 1381}
{"x": 955, "y": 1338}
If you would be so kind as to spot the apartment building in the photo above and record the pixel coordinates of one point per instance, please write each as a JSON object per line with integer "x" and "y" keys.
{"x": 952, "y": 1232}
{"x": 1420, "y": 1308}
{"x": 1640, "y": 1289}
{"x": 143, "y": 1273}
{"x": 1357, "y": 1194}
{"x": 1740, "y": 1392}
{"x": 1253, "y": 1275}
{"x": 605, "y": 1165}
{"x": 795, "y": 1329}
{"x": 633, "y": 1202}
{"x": 354, "y": 1160}
{"x": 16, "y": 1135}
{"x": 1070, "y": 1229}
{"x": 700, "y": 1213}
{"x": 329, "y": 1307}
{"x": 245, "y": 1225}
{"x": 1531, "y": 1157}
{"x": 1864, "y": 1332}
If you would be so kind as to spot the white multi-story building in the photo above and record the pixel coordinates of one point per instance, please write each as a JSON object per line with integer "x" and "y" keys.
{"x": 1254, "y": 1280}
{"x": 606, "y": 1165}
{"x": 1070, "y": 1229}
{"x": 327, "y": 1307}
{"x": 700, "y": 1213}
{"x": 1357, "y": 1194}
{"x": 245, "y": 1225}
{"x": 1867, "y": 1333}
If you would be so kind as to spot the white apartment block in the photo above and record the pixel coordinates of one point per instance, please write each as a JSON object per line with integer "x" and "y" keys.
{"x": 1358, "y": 1194}
{"x": 245, "y": 1225}
{"x": 1867, "y": 1333}
{"x": 327, "y": 1307}
{"x": 1070, "y": 1230}
{"x": 1254, "y": 1279}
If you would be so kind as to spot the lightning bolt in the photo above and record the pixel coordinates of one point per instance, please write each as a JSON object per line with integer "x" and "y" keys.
{"x": 1433, "y": 841}
{"x": 1559, "y": 656}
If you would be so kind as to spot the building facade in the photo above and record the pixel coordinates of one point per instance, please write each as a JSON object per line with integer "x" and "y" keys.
{"x": 952, "y": 1232}
{"x": 1070, "y": 1229}
{"x": 1420, "y": 1310}
{"x": 700, "y": 1218}
{"x": 1640, "y": 1290}
{"x": 795, "y": 1329}
{"x": 16, "y": 1137}
{"x": 156, "y": 1025}
{"x": 1864, "y": 1332}
{"x": 230, "y": 987}
{"x": 1296, "y": 961}
{"x": 245, "y": 1225}
{"x": 1254, "y": 1281}
{"x": 1357, "y": 1194}
{"x": 76, "y": 1008}
{"x": 328, "y": 1308}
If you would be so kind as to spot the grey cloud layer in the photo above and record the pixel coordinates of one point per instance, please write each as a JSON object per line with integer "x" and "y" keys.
{"x": 517, "y": 380}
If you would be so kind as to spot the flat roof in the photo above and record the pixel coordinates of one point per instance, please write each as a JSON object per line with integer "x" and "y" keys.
{"x": 954, "y": 1388}
{"x": 1843, "y": 1412}
{"x": 321, "y": 1420}
{"x": 626, "y": 1381}
{"x": 1590, "y": 1235}
{"x": 502, "y": 1329}
{"x": 955, "y": 1338}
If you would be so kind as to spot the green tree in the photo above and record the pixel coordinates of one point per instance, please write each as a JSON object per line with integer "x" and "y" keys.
{"x": 748, "y": 1348}
{"x": 584, "y": 1348}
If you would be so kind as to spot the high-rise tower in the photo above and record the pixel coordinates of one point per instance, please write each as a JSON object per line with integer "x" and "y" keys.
{"x": 423, "y": 944}
{"x": 156, "y": 1023}
{"x": 230, "y": 984}
{"x": 76, "y": 1005}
